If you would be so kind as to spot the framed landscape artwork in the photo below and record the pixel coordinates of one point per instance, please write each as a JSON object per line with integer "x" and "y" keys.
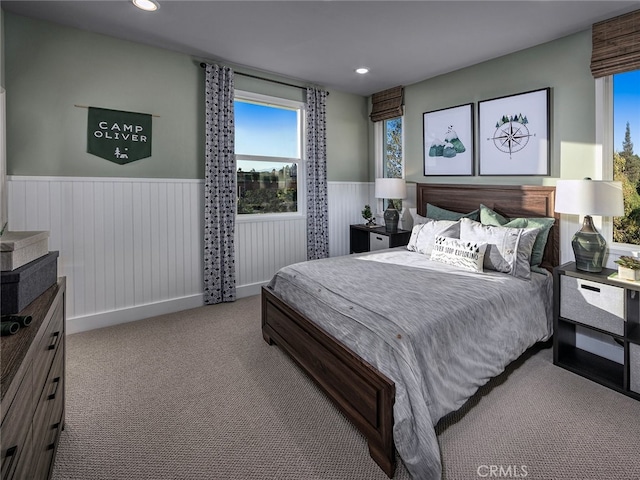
{"x": 514, "y": 134}
{"x": 448, "y": 141}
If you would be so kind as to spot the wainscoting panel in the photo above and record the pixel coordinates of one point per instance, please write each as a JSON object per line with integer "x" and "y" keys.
{"x": 132, "y": 248}
{"x": 123, "y": 243}
{"x": 263, "y": 247}
{"x": 346, "y": 202}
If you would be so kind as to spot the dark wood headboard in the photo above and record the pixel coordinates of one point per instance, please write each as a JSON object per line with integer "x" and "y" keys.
{"x": 508, "y": 200}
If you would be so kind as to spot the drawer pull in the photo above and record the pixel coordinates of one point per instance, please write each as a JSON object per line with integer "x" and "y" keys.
{"x": 589, "y": 287}
{"x": 56, "y": 381}
{"x": 54, "y": 341}
{"x": 52, "y": 445}
{"x": 11, "y": 452}
{"x": 379, "y": 238}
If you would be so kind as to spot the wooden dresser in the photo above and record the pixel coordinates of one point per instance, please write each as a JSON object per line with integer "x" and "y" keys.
{"x": 32, "y": 364}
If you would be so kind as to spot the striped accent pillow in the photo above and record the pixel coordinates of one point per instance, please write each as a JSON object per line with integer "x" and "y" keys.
{"x": 459, "y": 253}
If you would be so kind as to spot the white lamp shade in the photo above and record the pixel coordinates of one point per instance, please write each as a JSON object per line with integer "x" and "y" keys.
{"x": 589, "y": 197}
{"x": 391, "y": 188}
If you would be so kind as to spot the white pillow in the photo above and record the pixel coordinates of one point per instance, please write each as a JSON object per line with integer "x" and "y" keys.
{"x": 423, "y": 235}
{"x": 459, "y": 253}
{"x": 508, "y": 249}
{"x": 417, "y": 219}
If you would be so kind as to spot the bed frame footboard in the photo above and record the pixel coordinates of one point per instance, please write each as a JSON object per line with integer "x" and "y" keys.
{"x": 360, "y": 391}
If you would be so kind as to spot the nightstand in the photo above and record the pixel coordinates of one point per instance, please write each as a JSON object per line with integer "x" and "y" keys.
{"x": 368, "y": 239}
{"x": 598, "y": 302}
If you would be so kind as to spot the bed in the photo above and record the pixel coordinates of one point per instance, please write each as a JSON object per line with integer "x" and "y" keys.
{"x": 306, "y": 309}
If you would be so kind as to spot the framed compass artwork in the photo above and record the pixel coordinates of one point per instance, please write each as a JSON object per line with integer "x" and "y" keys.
{"x": 448, "y": 141}
{"x": 513, "y": 136}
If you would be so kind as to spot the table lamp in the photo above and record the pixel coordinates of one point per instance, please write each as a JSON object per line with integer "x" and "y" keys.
{"x": 589, "y": 197}
{"x": 391, "y": 189}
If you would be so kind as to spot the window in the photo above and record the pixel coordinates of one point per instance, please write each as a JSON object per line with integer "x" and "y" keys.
{"x": 390, "y": 163}
{"x": 393, "y": 167}
{"x": 626, "y": 161}
{"x": 268, "y": 144}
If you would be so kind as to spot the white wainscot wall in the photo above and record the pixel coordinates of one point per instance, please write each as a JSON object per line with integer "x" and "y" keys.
{"x": 132, "y": 248}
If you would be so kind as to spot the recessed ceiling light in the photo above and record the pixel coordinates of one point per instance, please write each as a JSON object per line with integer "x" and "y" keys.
{"x": 146, "y": 5}
{"x": 362, "y": 70}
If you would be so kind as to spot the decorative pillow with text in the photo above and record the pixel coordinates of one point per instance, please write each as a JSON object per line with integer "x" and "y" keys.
{"x": 459, "y": 253}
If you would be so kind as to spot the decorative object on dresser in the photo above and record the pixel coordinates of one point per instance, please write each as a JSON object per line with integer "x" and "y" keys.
{"x": 368, "y": 216}
{"x": 628, "y": 268}
{"x": 594, "y": 303}
{"x": 363, "y": 238}
{"x": 391, "y": 189}
{"x": 21, "y": 286}
{"x": 19, "y": 248}
{"x": 32, "y": 365}
{"x": 589, "y": 197}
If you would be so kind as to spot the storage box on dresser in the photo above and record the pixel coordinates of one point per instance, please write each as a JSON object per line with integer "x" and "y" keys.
{"x": 21, "y": 286}
{"x": 601, "y": 303}
{"x": 19, "y": 248}
{"x": 32, "y": 365}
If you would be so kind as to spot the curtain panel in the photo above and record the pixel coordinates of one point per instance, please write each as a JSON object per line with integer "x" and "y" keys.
{"x": 316, "y": 165}
{"x": 616, "y": 45}
{"x": 219, "y": 186}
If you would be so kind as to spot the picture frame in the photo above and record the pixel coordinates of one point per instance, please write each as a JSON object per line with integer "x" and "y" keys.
{"x": 513, "y": 136}
{"x": 448, "y": 141}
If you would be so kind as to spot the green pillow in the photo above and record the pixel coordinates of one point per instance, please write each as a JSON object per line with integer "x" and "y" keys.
{"x": 490, "y": 217}
{"x": 438, "y": 213}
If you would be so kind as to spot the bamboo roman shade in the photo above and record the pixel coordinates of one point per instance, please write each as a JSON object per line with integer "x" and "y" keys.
{"x": 616, "y": 45}
{"x": 387, "y": 104}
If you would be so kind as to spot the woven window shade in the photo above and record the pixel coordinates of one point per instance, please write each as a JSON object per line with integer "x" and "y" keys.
{"x": 616, "y": 45}
{"x": 387, "y": 104}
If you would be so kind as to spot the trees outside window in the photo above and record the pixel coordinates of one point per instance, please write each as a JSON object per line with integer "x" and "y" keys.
{"x": 626, "y": 162}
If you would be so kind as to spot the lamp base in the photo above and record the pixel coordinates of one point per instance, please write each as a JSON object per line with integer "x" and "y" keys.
{"x": 589, "y": 247}
{"x": 391, "y": 217}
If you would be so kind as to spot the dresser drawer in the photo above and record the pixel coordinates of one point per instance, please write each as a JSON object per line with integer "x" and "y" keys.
{"x": 49, "y": 405}
{"x": 592, "y": 303}
{"x": 16, "y": 425}
{"x": 47, "y": 348}
{"x": 42, "y": 466}
{"x": 378, "y": 242}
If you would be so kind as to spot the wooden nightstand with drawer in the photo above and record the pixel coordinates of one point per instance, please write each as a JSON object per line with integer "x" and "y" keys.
{"x": 601, "y": 305}
{"x": 367, "y": 239}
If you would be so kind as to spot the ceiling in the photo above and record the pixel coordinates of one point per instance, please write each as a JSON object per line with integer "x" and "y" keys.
{"x": 322, "y": 42}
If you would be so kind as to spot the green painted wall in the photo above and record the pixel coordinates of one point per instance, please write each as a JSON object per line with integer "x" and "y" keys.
{"x": 562, "y": 65}
{"x": 51, "y": 68}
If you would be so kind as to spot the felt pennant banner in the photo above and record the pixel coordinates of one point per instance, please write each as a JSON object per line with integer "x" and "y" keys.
{"x": 120, "y": 137}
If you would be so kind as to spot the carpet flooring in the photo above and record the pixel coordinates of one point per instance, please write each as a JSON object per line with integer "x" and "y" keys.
{"x": 200, "y": 395}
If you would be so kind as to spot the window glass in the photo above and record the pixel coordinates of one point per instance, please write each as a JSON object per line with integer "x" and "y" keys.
{"x": 267, "y": 187}
{"x": 626, "y": 161}
{"x": 268, "y": 155}
{"x": 392, "y": 153}
{"x": 392, "y": 167}
{"x": 266, "y": 130}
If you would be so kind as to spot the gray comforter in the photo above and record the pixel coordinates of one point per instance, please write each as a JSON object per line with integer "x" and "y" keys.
{"x": 436, "y": 331}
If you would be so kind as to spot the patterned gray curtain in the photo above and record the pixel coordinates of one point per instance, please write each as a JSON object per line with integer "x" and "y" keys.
{"x": 317, "y": 218}
{"x": 219, "y": 187}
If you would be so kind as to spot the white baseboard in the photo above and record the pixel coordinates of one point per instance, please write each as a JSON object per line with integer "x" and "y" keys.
{"x": 116, "y": 317}
{"x": 250, "y": 290}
